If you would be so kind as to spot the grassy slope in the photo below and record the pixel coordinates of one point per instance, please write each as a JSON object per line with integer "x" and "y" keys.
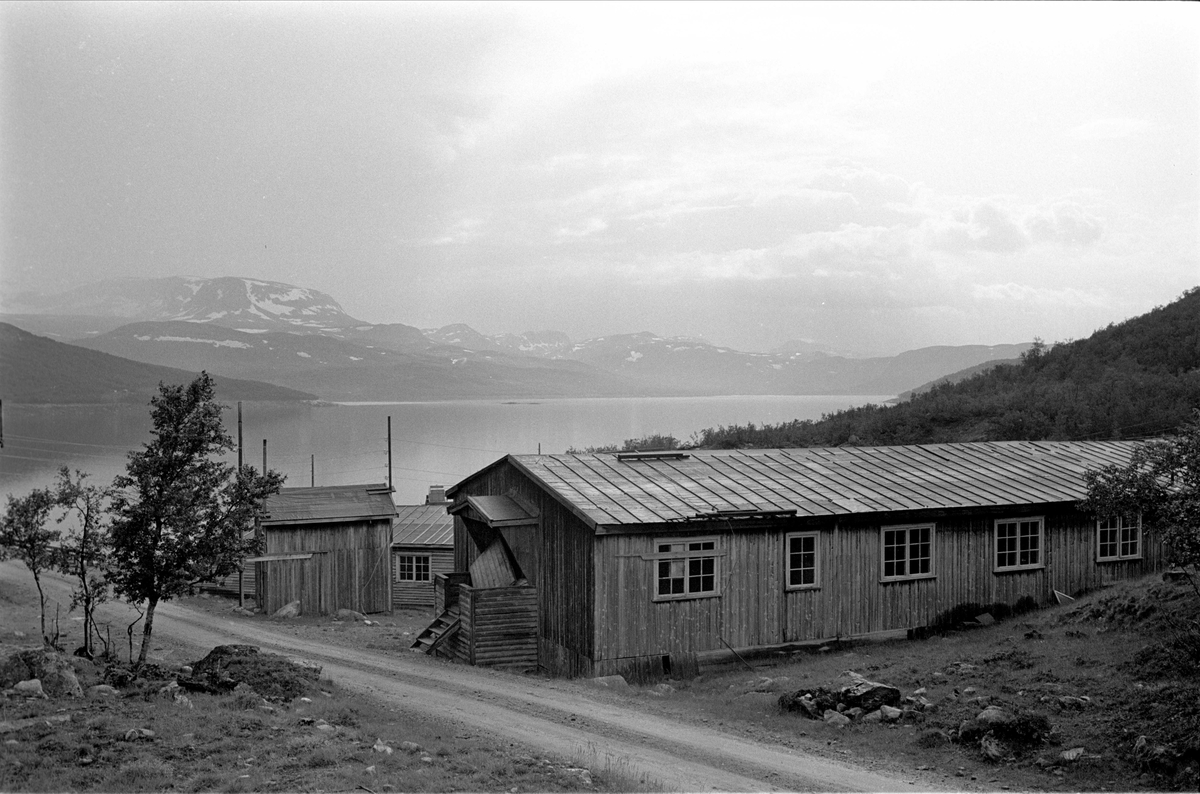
{"x": 34, "y": 369}
{"x": 1136, "y": 379}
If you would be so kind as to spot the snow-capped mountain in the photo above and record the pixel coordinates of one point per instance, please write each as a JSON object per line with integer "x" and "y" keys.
{"x": 242, "y": 303}
{"x": 542, "y": 344}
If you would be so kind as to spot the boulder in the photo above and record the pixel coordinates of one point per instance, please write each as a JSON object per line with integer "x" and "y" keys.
{"x": 53, "y": 669}
{"x": 349, "y": 614}
{"x": 29, "y": 689}
{"x": 985, "y": 619}
{"x": 868, "y": 695}
{"x": 889, "y": 713}
{"x": 995, "y": 717}
{"x": 874, "y": 716}
{"x": 291, "y": 610}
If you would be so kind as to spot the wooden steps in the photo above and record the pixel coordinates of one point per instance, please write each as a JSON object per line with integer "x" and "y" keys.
{"x": 443, "y": 627}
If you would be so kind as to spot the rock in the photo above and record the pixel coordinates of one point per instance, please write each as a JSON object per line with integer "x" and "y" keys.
{"x": 1071, "y": 755}
{"x": 370, "y": 770}
{"x": 381, "y": 746}
{"x": 611, "y": 681}
{"x": 185, "y": 670}
{"x": 868, "y": 695}
{"x": 836, "y": 719}
{"x": 103, "y": 691}
{"x": 932, "y": 737}
{"x": 53, "y": 669}
{"x": 410, "y": 747}
{"x": 308, "y": 667}
{"x": 889, "y": 713}
{"x": 246, "y": 613}
{"x": 918, "y": 692}
{"x": 853, "y": 713}
{"x": 995, "y": 717}
{"x": 425, "y": 759}
{"x": 326, "y": 727}
{"x": 873, "y": 716}
{"x": 992, "y": 748}
{"x": 1075, "y": 703}
{"x": 985, "y": 619}
{"x": 291, "y": 610}
{"x": 1155, "y": 757}
{"x": 137, "y": 734}
{"x": 664, "y": 689}
{"x": 349, "y": 614}
{"x": 30, "y": 689}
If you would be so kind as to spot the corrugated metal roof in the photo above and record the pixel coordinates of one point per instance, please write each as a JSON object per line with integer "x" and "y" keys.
{"x": 423, "y": 525}
{"x": 328, "y": 503}
{"x": 820, "y": 481}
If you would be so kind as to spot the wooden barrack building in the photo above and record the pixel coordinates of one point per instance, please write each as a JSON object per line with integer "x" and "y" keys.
{"x": 594, "y": 564}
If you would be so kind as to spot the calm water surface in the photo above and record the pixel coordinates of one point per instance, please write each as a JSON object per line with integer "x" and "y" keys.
{"x": 432, "y": 442}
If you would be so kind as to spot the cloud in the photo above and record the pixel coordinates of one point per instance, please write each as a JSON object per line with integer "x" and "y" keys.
{"x": 993, "y": 225}
{"x": 1108, "y": 129}
{"x": 1043, "y": 297}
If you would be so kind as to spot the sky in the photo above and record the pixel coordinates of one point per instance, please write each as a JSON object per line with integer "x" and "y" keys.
{"x": 868, "y": 177}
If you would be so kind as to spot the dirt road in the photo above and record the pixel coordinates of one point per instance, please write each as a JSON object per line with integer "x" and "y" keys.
{"x": 568, "y": 718}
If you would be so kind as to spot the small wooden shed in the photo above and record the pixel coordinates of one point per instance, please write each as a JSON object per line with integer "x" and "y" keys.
{"x": 422, "y": 548}
{"x": 644, "y": 562}
{"x": 328, "y": 548}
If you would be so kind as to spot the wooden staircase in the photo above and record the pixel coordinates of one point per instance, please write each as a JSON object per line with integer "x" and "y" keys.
{"x": 441, "y": 629}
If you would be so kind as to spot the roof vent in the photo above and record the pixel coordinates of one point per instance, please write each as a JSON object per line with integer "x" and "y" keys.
{"x": 720, "y": 515}
{"x": 664, "y": 454}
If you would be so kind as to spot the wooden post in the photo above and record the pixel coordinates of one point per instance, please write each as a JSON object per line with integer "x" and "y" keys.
{"x": 239, "y": 435}
{"x": 390, "y": 488}
{"x": 242, "y": 586}
{"x": 264, "y": 457}
{"x": 312, "y": 471}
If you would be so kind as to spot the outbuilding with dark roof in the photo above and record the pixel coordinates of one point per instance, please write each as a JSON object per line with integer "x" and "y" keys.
{"x": 328, "y": 548}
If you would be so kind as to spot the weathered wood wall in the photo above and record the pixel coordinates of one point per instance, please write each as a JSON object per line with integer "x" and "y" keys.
{"x": 420, "y": 594}
{"x": 281, "y": 582}
{"x": 555, "y": 555}
{"x": 357, "y": 563}
{"x": 499, "y": 626}
{"x": 754, "y": 607}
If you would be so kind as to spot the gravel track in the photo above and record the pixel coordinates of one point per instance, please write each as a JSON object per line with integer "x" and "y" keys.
{"x": 565, "y": 718}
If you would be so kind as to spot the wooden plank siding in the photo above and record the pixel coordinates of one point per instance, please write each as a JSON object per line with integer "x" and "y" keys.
{"x": 498, "y": 626}
{"x": 419, "y": 594}
{"x": 755, "y": 608}
{"x": 356, "y": 565}
{"x": 555, "y": 555}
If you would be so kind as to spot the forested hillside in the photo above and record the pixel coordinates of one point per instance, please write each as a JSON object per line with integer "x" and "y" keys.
{"x": 1135, "y": 379}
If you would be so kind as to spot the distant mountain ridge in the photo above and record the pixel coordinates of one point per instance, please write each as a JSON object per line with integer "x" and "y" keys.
{"x": 34, "y": 369}
{"x": 303, "y": 338}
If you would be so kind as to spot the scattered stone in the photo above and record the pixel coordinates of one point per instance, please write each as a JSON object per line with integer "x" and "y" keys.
{"x": 426, "y": 759}
{"x": 246, "y": 613}
{"x": 970, "y": 690}
{"x": 306, "y": 700}
{"x": 611, "y": 681}
{"x": 326, "y": 727}
{"x": 370, "y": 770}
{"x": 994, "y": 716}
{"x": 349, "y": 614}
{"x": 836, "y": 719}
{"x": 410, "y": 747}
{"x": 135, "y": 734}
{"x": 1076, "y": 703}
{"x": 853, "y": 713}
{"x": 985, "y": 619}
{"x": 19, "y": 634}
{"x": 291, "y": 610}
{"x": 918, "y": 692}
{"x": 873, "y": 716}
{"x": 1071, "y": 755}
{"x": 663, "y": 689}
{"x": 103, "y": 691}
{"x": 382, "y": 747}
{"x": 30, "y": 689}
{"x": 992, "y": 748}
{"x": 889, "y": 713}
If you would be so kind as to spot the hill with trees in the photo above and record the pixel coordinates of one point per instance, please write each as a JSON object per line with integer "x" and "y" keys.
{"x": 1135, "y": 379}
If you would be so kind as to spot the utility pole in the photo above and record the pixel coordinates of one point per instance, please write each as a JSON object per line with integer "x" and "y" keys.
{"x": 264, "y": 457}
{"x": 312, "y": 471}
{"x": 239, "y": 435}
{"x": 390, "y": 488}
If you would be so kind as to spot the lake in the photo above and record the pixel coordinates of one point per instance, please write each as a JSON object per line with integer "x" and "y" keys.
{"x": 432, "y": 442}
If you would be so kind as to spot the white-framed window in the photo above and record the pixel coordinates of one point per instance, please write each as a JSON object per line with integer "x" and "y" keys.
{"x": 1119, "y": 538}
{"x": 907, "y": 552}
{"x": 412, "y": 567}
{"x": 803, "y": 560}
{"x": 686, "y": 568}
{"x": 1019, "y": 544}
